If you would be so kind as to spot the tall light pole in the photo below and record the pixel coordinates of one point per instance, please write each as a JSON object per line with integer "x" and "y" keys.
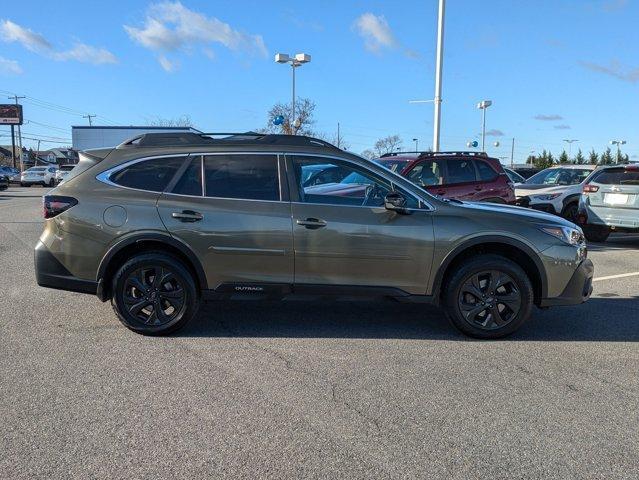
{"x": 619, "y": 143}
{"x": 439, "y": 62}
{"x": 483, "y": 106}
{"x": 570, "y": 141}
{"x": 297, "y": 61}
{"x": 416, "y": 144}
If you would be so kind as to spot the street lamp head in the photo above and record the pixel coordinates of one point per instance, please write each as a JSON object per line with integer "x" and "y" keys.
{"x": 302, "y": 58}
{"x": 282, "y": 58}
{"x": 484, "y": 104}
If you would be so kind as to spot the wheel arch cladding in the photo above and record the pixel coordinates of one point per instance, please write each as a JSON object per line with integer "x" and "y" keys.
{"x": 125, "y": 249}
{"x": 511, "y": 249}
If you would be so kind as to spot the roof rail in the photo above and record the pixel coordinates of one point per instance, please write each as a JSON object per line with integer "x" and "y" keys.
{"x": 190, "y": 139}
{"x": 434, "y": 154}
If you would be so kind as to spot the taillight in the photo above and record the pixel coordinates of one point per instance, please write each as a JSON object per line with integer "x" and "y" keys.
{"x": 591, "y": 188}
{"x": 54, "y": 205}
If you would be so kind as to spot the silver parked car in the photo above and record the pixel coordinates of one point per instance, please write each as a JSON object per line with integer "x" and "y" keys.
{"x": 610, "y": 202}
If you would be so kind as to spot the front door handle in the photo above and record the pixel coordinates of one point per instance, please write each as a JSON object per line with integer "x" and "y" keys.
{"x": 478, "y": 188}
{"x": 311, "y": 223}
{"x": 187, "y": 216}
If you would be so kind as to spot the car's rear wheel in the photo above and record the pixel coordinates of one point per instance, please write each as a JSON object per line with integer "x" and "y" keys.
{"x": 570, "y": 212}
{"x": 596, "y": 233}
{"x": 488, "y": 296}
{"x": 154, "y": 294}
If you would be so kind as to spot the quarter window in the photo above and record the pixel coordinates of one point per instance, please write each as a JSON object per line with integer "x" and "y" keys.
{"x": 249, "y": 177}
{"x": 152, "y": 175}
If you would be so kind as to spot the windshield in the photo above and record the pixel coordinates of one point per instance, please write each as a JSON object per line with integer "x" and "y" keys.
{"x": 67, "y": 168}
{"x": 619, "y": 176}
{"x": 559, "y": 176}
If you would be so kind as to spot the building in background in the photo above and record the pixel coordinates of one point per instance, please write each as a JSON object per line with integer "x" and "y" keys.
{"x": 85, "y": 137}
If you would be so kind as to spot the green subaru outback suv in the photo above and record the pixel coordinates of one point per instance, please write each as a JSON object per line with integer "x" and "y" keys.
{"x": 165, "y": 221}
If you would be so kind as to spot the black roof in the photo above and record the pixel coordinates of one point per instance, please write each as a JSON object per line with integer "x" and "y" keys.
{"x": 189, "y": 139}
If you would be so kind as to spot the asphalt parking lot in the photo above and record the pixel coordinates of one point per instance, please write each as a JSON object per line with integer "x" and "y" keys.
{"x": 312, "y": 390}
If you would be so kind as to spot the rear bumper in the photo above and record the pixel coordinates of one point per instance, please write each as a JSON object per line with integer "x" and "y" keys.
{"x": 621, "y": 219}
{"x": 578, "y": 289}
{"x": 51, "y": 273}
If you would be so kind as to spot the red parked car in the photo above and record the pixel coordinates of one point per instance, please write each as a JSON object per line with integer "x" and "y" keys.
{"x": 470, "y": 176}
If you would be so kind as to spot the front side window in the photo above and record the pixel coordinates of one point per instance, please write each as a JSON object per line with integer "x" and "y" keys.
{"x": 461, "y": 171}
{"x": 242, "y": 176}
{"x": 152, "y": 175}
{"x": 356, "y": 187}
{"x": 427, "y": 173}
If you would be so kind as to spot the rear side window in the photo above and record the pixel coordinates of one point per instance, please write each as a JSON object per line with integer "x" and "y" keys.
{"x": 249, "y": 177}
{"x": 152, "y": 175}
{"x": 485, "y": 171}
{"x": 190, "y": 182}
{"x": 619, "y": 176}
{"x": 460, "y": 171}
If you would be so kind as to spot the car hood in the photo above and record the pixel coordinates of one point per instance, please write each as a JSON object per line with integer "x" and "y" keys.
{"x": 522, "y": 189}
{"x": 524, "y": 214}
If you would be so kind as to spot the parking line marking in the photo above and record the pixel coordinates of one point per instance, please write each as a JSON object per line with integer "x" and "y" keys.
{"x": 621, "y": 275}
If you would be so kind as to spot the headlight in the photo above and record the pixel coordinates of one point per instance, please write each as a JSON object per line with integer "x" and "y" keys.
{"x": 572, "y": 236}
{"x": 550, "y": 196}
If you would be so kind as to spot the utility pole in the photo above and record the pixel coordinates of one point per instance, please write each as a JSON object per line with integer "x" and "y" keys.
{"x": 437, "y": 116}
{"x": 512, "y": 154}
{"x": 338, "y": 137}
{"x": 89, "y": 116}
{"x": 13, "y": 145}
{"x": 416, "y": 144}
{"x": 16, "y": 98}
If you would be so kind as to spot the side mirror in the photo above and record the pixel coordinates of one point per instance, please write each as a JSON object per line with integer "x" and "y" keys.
{"x": 395, "y": 202}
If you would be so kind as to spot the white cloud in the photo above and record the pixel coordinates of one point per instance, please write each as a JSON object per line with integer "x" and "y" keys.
{"x": 9, "y": 66}
{"x": 562, "y": 127}
{"x": 166, "y": 64}
{"x": 170, "y": 26}
{"x": 84, "y": 53}
{"x": 494, "y": 133}
{"x": 614, "y": 69}
{"x": 375, "y": 31}
{"x": 12, "y": 32}
{"x": 81, "y": 52}
{"x": 548, "y": 117}
{"x": 614, "y": 5}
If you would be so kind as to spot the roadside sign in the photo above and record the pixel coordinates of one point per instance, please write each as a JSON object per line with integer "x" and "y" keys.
{"x": 10, "y": 114}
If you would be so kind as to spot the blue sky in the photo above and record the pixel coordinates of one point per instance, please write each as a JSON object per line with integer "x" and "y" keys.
{"x": 554, "y": 69}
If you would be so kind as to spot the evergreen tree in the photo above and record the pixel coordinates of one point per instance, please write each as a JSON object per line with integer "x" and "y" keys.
{"x": 563, "y": 158}
{"x": 626, "y": 158}
{"x": 544, "y": 160}
{"x": 593, "y": 158}
{"x": 579, "y": 158}
{"x": 551, "y": 159}
{"x": 606, "y": 158}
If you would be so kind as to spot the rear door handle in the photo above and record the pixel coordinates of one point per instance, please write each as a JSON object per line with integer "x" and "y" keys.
{"x": 187, "y": 216}
{"x": 311, "y": 223}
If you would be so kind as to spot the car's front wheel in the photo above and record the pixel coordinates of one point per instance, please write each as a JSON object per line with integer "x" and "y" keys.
{"x": 570, "y": 212}
{"x": 488, "y": 296}
{"x": 52, "y": 183}
{"x": 154, "y": 294}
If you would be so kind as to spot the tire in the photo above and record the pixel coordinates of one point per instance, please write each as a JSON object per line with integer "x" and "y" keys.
{"x": 469, "y": 315}
{"x": 570, "y": 212}
{"x": 596, "y": 233}
{"x": 137, "y": 298}
{"x": 52, "y": 183}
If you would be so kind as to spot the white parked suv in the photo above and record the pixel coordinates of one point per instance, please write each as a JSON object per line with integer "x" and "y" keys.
{"x": 44, "y": 176}
{"x": 555, "y": 190}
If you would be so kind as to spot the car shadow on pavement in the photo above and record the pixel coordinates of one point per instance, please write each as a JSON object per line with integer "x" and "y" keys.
{"x": 600, "y": 319}
{"x": 616, "y": 242}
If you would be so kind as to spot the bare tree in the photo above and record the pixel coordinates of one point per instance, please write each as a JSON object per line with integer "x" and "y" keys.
{"x": 183, "y": 121}
{"x": 334, "y": 140}
{"x": 368, "y": 153}
{"x": 387, "y": 145}
{"x": 304, "y": 111}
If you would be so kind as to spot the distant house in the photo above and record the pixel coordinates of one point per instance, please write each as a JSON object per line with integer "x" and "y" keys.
{"x": 59, "y": 156}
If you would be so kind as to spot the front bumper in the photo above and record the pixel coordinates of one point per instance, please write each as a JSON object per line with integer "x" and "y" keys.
{"x": 527, "y": 202}
{"x": 578, "y": 289}
{"x": 52, "y": 274}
